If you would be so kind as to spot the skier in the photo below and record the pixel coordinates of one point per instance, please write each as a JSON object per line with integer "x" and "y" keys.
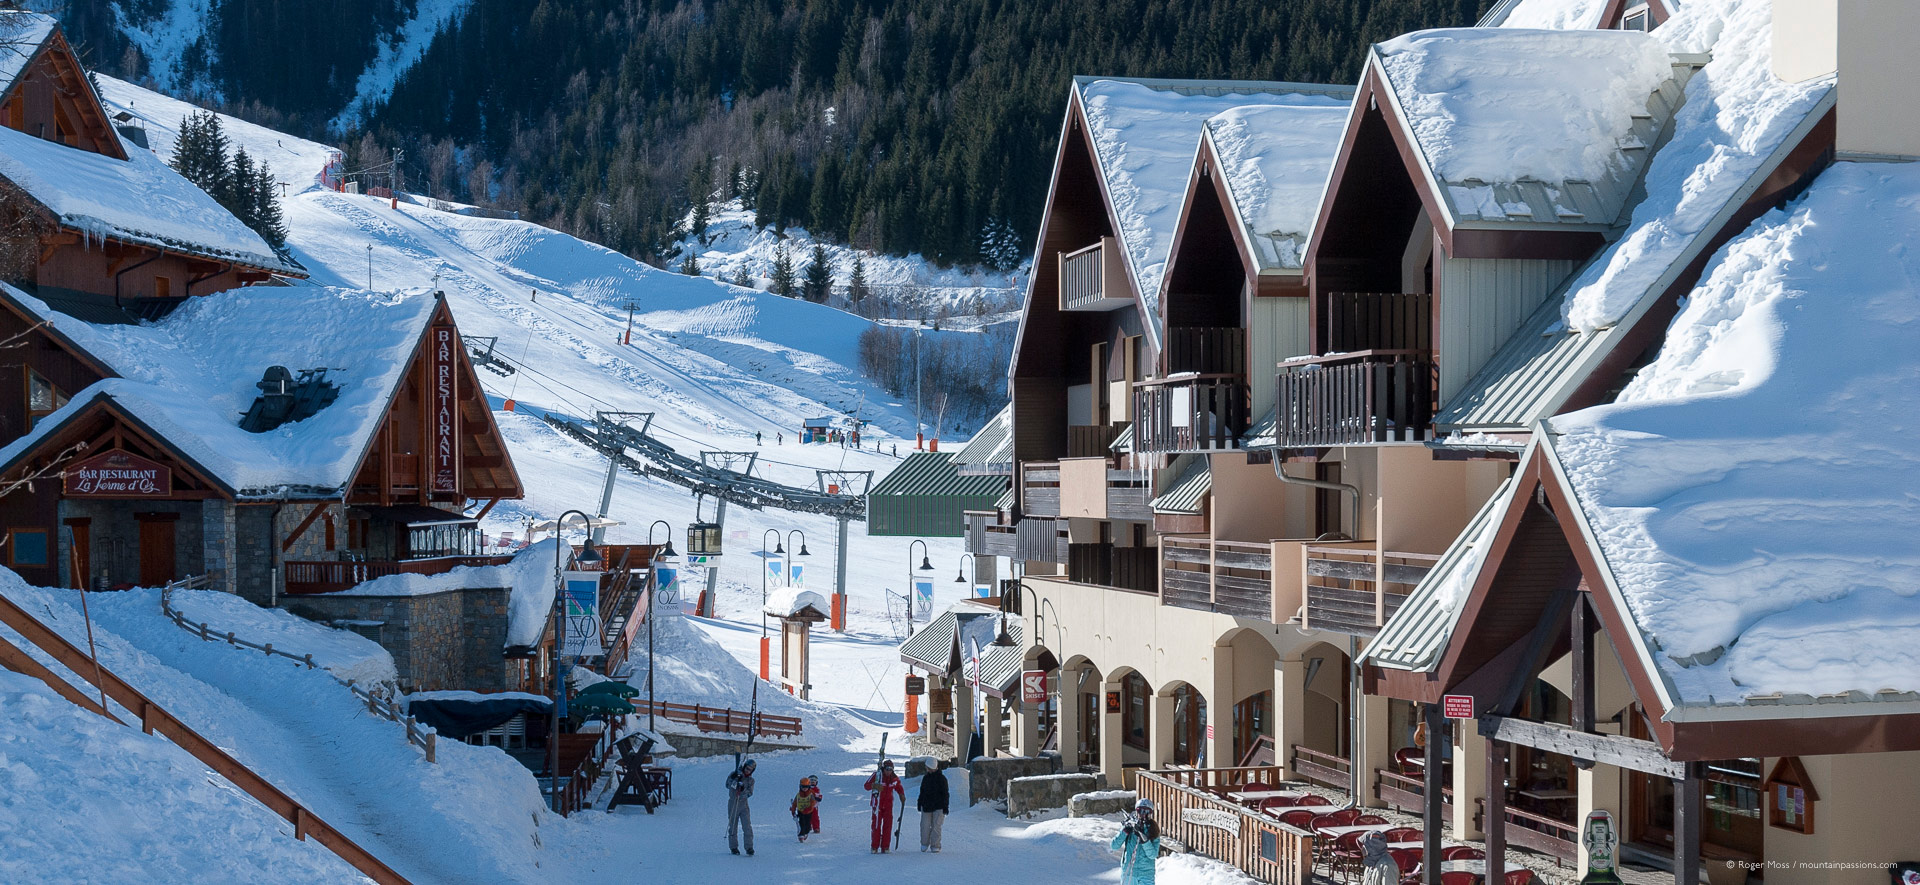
{"x": 739, "y": 790}
{"x": 779, "y": 439}
{"x": 933, "y": 807}
{"x": 1139, "y": 845}
{"x": 805, "y": 807}
{"x": 756, "y": 437}
{"x": 884, "y": 785}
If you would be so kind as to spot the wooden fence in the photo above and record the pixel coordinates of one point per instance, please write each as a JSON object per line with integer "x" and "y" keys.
{"x": 577, "y": 793}
{"x": 306, "y": 577}
{"x": 1258, "y": 845}
{"x": 721, "y": 719}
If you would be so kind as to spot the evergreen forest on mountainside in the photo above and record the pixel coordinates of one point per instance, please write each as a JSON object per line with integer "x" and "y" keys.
{"x": 922, "y": 126}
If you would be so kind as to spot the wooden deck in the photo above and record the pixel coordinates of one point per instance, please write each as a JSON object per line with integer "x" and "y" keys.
{"x": 1208, "y": 824}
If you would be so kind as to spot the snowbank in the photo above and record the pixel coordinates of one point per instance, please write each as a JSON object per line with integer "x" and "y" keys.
{"x": 529, "y": 575}
{"x": 347, "y": 655}
{"x": 694, "y": 669}
{"x": 1736, "y": 114}
{"x": 1752, "y": 487}
{"x": 1502, "y": 105}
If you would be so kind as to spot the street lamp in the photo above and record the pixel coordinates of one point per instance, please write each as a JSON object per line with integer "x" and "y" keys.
{"x": 1005, "y": 639}
{"x": 803, "y": 541}
{"x": 668, "y": 550}
{"x": 764, "y": 571}
{"x": 586, "y": 556}
{"x": 664, "y": 557}
{"x": 960, "y": 574}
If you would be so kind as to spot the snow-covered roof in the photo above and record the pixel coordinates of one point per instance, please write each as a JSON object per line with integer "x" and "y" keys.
{"x": 1751, "y": 491}
{"x": 789, "y": 601}
{"x": 1539, "y": 128}
{"x": 1143, "y": 134}
{"x": 136, "y": 200}
{"x": 1738, "y": 123}
{"x": 1555, "y": 14}
{"x": 191, "y": 375}
{"x": 22, "y": 33}
{"x": 1275, "y": 160}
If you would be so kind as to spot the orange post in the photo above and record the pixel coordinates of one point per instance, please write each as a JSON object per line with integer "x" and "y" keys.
{"x": 766, "y": 656}
{"x": 913, "y": 714}
{"x": 839, "y": 616}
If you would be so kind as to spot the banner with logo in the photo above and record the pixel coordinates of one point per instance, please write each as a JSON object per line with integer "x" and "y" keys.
{"x": 580, "y": 613}
{"x": 776, "y": 571}
{"x": 666, "y": 584}
{"x": 922, "y": 599}
{"x": 798, "y": 579}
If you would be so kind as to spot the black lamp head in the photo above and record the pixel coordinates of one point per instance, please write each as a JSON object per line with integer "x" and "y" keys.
{"x": 926, "y": 565}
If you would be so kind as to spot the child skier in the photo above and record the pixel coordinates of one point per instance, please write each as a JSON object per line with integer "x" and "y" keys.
{"x": 806, "y": 807}
{"x": 739, "y": 790}
{"x": 1139, "y": 845}
{"x": 884, "y": 785}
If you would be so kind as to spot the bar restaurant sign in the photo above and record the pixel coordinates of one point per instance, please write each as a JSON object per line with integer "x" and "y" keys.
{"x": 118, "y": 473}
{"x": 445, "y": 410}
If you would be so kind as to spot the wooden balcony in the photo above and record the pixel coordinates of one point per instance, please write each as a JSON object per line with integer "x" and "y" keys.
{"x": 1371, "y": 396}
{"x": 1190, "y": 413}
{"x": 1130, "y": 494}
{"x": 1352, "y": 589}
{"x": 1105, "y": 565}
{"x": 1040, "y": 488}
{"x": 1229, "y": 577}
{"x": 1091, "y": 440}
{"x": 1094, "y": 278}
{"x": 310, "y": 577}
{"x": 1350, "y": 321}
{"x": 1208, "y": 823}
{"x": 1206, "y": 350}
{"x": 1034, "y": 539}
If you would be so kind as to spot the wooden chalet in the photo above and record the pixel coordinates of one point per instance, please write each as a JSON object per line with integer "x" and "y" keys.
{"x": 97, "y": 224}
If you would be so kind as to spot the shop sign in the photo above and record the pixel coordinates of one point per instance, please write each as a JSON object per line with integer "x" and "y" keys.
{"x": 1212, "y": 817}
{"x": 446, "y": 410}
{"x": 1033, "y": 686}
{"x": 916, "y": 685}
{"x": 118, "y": 474}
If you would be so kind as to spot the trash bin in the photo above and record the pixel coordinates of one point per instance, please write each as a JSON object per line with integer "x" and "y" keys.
{"x": 1906, "y": 872}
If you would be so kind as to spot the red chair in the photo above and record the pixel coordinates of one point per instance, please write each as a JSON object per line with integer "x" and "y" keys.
{"x": 1256, "y": 787}
{"x": 1315, "y": 800}
{"x": 1277, "y": 802}
{"x": 1370, "y": 820}
{"x": 1344, "y": 817}
{"x": 1458, "y": 877}
{"x": 1411, "y": 761}
{"x": 1520, "y": 877}
{"x": 1347, "y": 853}
{"x": 1298, "y": 817}
{"x": 1462, "y": 852}
{"x": 1407, "y": 858}
{"x": 1402, "y": 834}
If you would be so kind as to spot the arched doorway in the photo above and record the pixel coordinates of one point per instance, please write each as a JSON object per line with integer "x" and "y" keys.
{"x": 1130, "y": 705}
{"x": 1041, "y": 720}
{"x": 1318, "y": 705}
{"x": 1250, "y": 686}
{"x": 1079, "y": 689}
{"x": 1189, "y": 725}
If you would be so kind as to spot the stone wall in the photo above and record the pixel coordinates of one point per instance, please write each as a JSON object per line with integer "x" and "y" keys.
{"x": 1026, "y": 795}
{"x": 114, "y": 537}
{"x": 219, "y": 552}
{"x": 1102, "y": 802}
{"x": 255, "y": 547}
{"x": 312, "y": 544}
{"x": 989, "y": 776}
{"x": 447, "y": 640}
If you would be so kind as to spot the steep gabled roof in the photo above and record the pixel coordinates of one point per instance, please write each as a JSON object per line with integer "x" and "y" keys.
{"x": 22, "y": 35}
{"x": 1274, "y": 160}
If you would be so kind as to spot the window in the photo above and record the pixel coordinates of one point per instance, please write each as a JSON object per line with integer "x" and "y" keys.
{"x": 1790, "y": 796}
{"x": 1135, "y": 694}
{"x": 1636, "y": 19}
{"x": 27, "y": 547}
{"x": 43, "y": 398}
{"x": 163, "y": 287}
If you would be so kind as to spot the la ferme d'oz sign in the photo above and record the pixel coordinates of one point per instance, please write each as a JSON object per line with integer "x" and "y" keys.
{"x": 118, "y": 473}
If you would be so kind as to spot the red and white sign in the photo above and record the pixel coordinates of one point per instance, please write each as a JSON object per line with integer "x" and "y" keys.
{"x": 1457, "y": 706}
{"x": 1033, "y": 686}
{"x": 445, "y": 416}
{"x": 1209, "y": 732}
{"x": 118, "y": 474}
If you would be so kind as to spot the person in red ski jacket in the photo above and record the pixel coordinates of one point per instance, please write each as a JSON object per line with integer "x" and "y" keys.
{"x": 884, "y": 785}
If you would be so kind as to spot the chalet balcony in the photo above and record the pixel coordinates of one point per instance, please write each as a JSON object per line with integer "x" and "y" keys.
{"x": 1344, "y": 399}
{"x": 1040, "y": 488}
{"x": 1088, "y": 488}
{"x": 1094, "y": 278}
{"x": 1091, "y": 440}
{"x": 1229, "y": 577}
{"x": 1350, "y": 321}
{"x": 1352, "y": 589}
{"x": 1121, "y": 568}
{"x": 1034, "y": 539}
{"x": 1189, "y": 413}
{"x": 333, "y": 576}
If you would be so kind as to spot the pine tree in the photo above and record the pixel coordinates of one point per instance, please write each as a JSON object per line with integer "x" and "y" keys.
{"x": 819, "y": 278}
{"x": 237, "y": 190}
{"x": 200, "y": 153}
{"x": 691, "y": 264}
{"x": 1000, "y": 244}
{"x": 741, "y": 278}
{"x": 782, "y": 283}
{"x": 268, "y": 222}
{"x": 700, "y": 191}
{"x": 857, "y": 284}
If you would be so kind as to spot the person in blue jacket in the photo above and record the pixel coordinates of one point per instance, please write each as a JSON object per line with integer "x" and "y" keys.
{"x": 1139, "y": 845}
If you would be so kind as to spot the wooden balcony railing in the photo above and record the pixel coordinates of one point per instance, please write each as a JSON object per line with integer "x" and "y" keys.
{"x": 1326, "y": 769}
{"x": 1406, "y": 792}
{"x": 1371, "y": 396}
{"x": 1189, "y": 413}
{"x": 1229, "y": 577}
{"x": 1092, "y": 278}
{"x": 1221, "y": 780}
{"x": 1536, "y": 831}
{"x": 1124, "y": 568}
{"x": 309, "y": 577}
{"x": 1040, "y": 488}
{"x": 1206, "y": 350}
{"x": 1034, "y": 539}
{"x": 988, "y": 536}
{"x": 1256, "y": 844}
{"x": 1129, "y": 494}
{"x": 1091, "y": 440}
{"x": 1352, "y": 589}
{"x": 1375, "y": 321}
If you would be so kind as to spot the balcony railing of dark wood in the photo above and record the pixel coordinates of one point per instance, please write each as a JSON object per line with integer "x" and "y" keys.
{"x": 1375, "y": 321}
{"x": 1091, "y": 440}
{"x": 1125, "y": 568}
{"x": 1040, "y": 482}
{"x": 1129, "y": 494}
{"x": 1256, "y": 844}
{"x": 1189, "y": 413}
{"x": 1041, "y": 540}
{"x": 1351, "y": 590}
{"x": 1207, "y": 350}
{"x": 1407, "y": 792}
{"x": 1229, "y": 577}
{"x": 1355, "y": 398}
{"x": 987, "y": 536}
{"x": 1083, "y": 277}
{"x": 1326, "y": 769}
{"x": 1536, "y": 831}
{"x": 309, "y": 577}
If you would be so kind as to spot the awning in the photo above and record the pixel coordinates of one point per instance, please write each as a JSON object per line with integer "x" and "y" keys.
{"x": 936, "y": 646}
{"x": 416, "y": 516}
{"x": 1191, "y": 486}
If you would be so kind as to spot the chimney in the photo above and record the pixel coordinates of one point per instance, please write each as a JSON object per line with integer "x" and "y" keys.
{"x": 933, "y": 445}
{"x": 1869, "y": 44}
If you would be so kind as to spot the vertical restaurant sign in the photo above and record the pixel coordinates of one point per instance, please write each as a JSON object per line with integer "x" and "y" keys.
{"x": 117, "y": 473}
{"x": 446, "y": 410}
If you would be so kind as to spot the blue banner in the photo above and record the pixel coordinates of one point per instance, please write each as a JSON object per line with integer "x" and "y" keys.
{"x": 797, "y": 580}
{"x": 922, "y": 599}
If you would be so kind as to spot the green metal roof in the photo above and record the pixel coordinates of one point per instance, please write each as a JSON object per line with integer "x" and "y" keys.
{"x": 932, "y": 474}
{"x": 992, "y": 445}
{"x": 1418, "y": 633}
{"x": 1192, "y": 484}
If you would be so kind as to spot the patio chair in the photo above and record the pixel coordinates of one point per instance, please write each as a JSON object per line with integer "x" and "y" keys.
{"x": 1346, "y": 854}
{"x": 1402, "y": 834}
{"x": 1315, "y": 800}
{"x": 1371, "y": 820}
{"x": 1274, "y": 802}
{"x": 1520, "y": 877}
{"x": 1458, "y": 877}
{"x": 1408, "y": 859}
{"x": 1298, "y": 817}
{"x": 1462, "y": 852}
{"x": 1411, "y": 761}
{"x": 1344, "y": 817}
{"x": 1256, "y": 787}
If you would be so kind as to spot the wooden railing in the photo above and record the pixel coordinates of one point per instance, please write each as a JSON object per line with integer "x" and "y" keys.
{"x": 1191, "y": 413}
{"x": 721, "y": 719}
{"x": 1216, "y": 780}
{"x": 1355, "y": 398}
{"x": 1350, "y": 589}
{"x": 155, "y": 719}
{"x": 1229, "y": 577}
{"x": 1536, "y": 831}
{"x": 1207, "y": 350}
{"x": 577, "y": 792}
{"x": 1258, "y": 845}
{"x": 332, "y": 576}
{"x": 1040, "y": 488}
{"x": 623, "y": 643}
{"x": 1091, "y": 440}
{"x": 1406, "y": 792}
{"x": 1326, "y": 769}
{"x": 988, "y": 536}
{"x": 1105, "y": 565}
{"x": 1129, "y": 494}
{"x": 1375, "y": 321}
{"x": 1083, "y": 277}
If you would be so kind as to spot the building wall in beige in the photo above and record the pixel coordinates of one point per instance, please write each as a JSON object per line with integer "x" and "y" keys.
{"x": 1083, "y": 487}
{"x": 1864, "y": 820}
{"x": 1251, "y": 504}
{"x": 1805, "y": 38}
{"x": 1423, "y": 503}
{"x": 1869, "y": 44}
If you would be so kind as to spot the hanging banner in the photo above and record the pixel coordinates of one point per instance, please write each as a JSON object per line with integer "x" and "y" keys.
{"x": 982, "y": 591}
{"x": 666, "y": 584}
{"x": 118, "y": 473}
{"x": 922, "y": 599}
{"x": 776, "y": 571}
{"x": 444, "y": 417}
{"x": 797, "y": 580}
{"x": 580, "y": 614}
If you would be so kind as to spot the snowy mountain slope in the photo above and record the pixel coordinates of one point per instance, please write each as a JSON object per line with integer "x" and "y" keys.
{"x": 296, "y": 162}
{"x": 397, "y": 52}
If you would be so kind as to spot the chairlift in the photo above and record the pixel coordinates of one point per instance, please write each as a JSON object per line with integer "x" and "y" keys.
{"x": 703, "y": 538}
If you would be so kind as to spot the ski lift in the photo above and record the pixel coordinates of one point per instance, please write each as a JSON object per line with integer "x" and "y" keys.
{"x": 703, "y": 538}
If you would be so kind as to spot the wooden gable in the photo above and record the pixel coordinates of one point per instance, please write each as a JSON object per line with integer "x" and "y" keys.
{"x": 36, "y": 347}
{"x": 103, "y": 426}
{"x": 52, "y": 99}
{"x": 438, "y": 442}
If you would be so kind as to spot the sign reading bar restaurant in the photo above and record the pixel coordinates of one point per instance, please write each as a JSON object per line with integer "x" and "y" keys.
{"x": 118, "y": 474}
{"x": 446, "y": 410}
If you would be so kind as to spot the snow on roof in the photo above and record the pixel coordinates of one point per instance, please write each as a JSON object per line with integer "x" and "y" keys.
{"x": 789, "y": 601}
{"x": 1502, "y": 105}
{"x": 1143, "y": 133}
{"x": 1554, "y": 14}
{"x": 1751, "y": 491}
{"x": 22, "y": 33}
{"x": 191, "y": 375}
{"x": 1276, "y": 159}
{"x": 529, "y": 575}
{"x": 137, "y": 200}
{"x": 1736, "y": 114}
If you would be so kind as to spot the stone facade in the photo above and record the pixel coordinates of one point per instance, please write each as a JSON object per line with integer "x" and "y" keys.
{"x": 1026, "y": 795}
{"x": 256, "y": 546}
{"x": 990, "y": 776}
{"x": 114, "y": 542}
{"x": 447, "y": 640}
{"x": 318, "y": 542}
{"x": 219, "y": 552}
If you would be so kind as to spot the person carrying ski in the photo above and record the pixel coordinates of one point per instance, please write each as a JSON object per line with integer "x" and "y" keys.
{"x": 933, "y": 807}
{"x": 884, "y": 785}
{"x": 739, "y": 790}
{"x": 1139, "y": 845}
{"x": 806, "y": 807}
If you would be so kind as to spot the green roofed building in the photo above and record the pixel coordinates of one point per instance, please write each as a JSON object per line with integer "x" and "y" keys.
{"x": 926, "y": 496}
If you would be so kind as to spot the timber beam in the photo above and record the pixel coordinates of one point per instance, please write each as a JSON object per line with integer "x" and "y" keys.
{"x": 1609, "y": 749}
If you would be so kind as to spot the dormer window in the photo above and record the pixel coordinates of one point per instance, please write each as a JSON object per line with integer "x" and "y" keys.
{"x": 1636, "y": 19}
{"x": 43, "y": 398}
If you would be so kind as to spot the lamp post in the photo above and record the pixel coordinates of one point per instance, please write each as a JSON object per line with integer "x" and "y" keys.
{"x": 664, "y": 557}
{"x": 798, "y": 552}
{"x": 926, "y": 565}
{"x": 960, "y": 574}
{"x": 586, "y": 556}
{"x": 765, "y": 570}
